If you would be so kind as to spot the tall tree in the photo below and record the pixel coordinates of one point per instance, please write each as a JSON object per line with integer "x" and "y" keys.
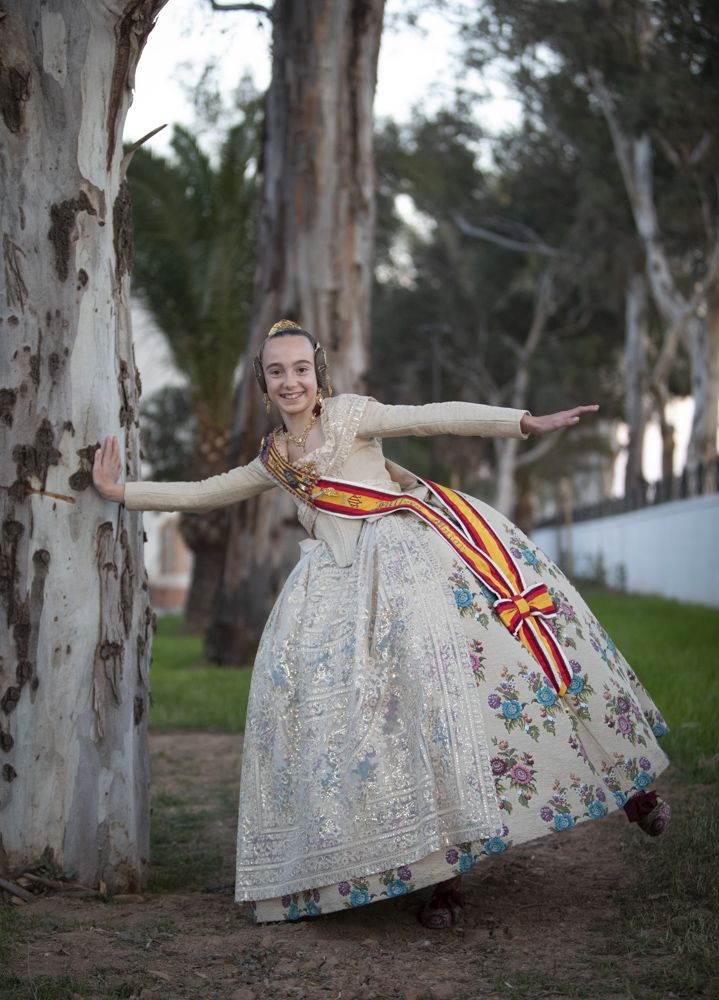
{"x": 650, "y": 70}
{"x": 500, "y": 302}
{"x": 194, "y": 260}
{"x": 75, "y": 641}
{"x": 314, "y": 262}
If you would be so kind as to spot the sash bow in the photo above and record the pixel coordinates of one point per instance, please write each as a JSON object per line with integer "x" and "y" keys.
{"x": 517, "y": 608}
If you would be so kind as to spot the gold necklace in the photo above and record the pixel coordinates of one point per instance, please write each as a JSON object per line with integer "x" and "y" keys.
{"x": 301, "y": 439}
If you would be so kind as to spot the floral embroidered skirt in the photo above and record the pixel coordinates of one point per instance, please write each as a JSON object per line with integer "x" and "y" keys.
{"x": 397, "y": 733}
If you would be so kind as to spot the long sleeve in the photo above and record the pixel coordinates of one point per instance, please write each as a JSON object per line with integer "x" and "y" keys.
{"x": 218, "y": 491}
{"x": 469, "y": 419}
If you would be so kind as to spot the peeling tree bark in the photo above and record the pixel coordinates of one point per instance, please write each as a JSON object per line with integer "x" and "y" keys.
{"x": 315, "y": 263}
{"x": 74, "y": 782}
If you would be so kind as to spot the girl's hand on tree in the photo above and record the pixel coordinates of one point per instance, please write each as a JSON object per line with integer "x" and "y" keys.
{"x": 554, "y": 421}
{"x": 106, "y": 469}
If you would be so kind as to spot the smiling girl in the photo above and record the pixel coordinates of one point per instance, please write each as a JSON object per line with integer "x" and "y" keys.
{"x": 429, "y": 689}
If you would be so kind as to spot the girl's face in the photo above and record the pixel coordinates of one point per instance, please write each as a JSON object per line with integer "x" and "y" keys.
{"x": 289, "y": 366}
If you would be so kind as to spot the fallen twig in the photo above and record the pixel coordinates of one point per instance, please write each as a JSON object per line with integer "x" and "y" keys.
{"x": 49, "y": 883}
{"x": 16, "y": 890}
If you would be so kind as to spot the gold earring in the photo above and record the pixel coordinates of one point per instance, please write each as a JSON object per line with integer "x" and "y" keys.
{"x": 267, "y": 402}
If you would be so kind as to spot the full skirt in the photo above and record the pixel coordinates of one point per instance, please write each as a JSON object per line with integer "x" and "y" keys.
{"x": 397, "y": 733}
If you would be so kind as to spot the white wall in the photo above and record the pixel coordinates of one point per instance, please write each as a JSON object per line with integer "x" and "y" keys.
{"x": 671, "y": 549}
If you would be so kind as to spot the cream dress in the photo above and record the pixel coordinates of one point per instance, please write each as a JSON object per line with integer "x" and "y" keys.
{"x": 396, "y": 732}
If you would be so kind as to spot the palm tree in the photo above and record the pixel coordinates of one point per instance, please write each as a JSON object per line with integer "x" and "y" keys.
{"x": 195, "y": 226}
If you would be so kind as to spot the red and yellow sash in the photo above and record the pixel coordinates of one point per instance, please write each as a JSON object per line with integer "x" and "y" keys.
{"x": 523, "y": 610}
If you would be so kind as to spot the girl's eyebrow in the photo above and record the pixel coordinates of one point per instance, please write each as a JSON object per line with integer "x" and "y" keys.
{"x": 278, "y": 364}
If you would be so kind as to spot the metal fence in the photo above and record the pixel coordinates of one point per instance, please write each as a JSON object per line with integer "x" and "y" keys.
{"x": 697, "y": 481}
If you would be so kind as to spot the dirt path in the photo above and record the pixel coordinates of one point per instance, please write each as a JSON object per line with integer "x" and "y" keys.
{"x": 539, "y": 919}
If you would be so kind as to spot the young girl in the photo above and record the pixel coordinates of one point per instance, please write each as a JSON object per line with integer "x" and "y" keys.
{"x": 429, "y": 689}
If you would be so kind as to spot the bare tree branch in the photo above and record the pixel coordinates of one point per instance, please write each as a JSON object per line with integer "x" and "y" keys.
{"x": 509, "y": 227}
{"x": 701, "y": 148}
{"x": 669, "y": 151}
{"x": 131, "y": 150}
{"x": 256, "y": 8}
{"x": 619, "y": 139}
{"x": 509, "y": 243}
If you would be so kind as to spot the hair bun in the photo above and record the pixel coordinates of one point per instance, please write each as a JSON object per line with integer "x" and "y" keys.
{"x": 284, "y": 324}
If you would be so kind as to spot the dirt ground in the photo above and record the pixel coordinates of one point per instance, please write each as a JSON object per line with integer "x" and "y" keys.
{"x": 539, "y": 923}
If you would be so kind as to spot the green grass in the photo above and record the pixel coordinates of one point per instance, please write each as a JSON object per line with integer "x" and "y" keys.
{"x": 669, "y": 924}
{"x": 674, "y": 649}
{"x": 180, "y": 856}
{"x": 42, "y": 988}
{"x": 673, "y": 918}
{"x": 663, "y": 930}
{"x": 8, "y": 927}
{"x": 188, "y": 694}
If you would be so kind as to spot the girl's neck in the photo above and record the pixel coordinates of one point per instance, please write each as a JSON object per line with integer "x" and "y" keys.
{"x": 296, "y": 422}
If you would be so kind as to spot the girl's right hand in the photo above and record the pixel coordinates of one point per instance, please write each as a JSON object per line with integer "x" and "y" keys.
{"x": 106, "y": 469}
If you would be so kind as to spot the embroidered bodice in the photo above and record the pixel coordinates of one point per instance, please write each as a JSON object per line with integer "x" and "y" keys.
{"x": 353, "y": 427}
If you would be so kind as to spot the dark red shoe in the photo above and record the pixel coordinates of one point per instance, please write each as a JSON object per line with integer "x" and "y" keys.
{"x": 650, "y": 812}
{"x": 444, "y": 909}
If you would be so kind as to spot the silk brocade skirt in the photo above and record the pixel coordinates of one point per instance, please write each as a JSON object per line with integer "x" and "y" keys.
{"x": 397, "y": 733}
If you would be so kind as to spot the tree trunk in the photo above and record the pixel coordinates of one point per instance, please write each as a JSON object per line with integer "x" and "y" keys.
{"x": 505, "y": 490}
{"x": 315, "y": 264}
{"x": 74, "y": 657}
{"x": 704, "y": 357}
{"x": 636, "y": 332}
{"x": 666, "y": 431}
{"x": 205, "y": 534}
{"x": 206, "y": 537}
{"x": 507, "y": 449}
{"x": 682, "y": 316}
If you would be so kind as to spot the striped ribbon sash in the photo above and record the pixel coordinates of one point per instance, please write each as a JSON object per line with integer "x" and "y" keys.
{"x": 523, "y": 610}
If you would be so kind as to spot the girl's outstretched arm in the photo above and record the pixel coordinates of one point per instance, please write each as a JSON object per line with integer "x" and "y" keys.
{"x": 198, "y": 497}
{"x": 468, "y": 419}
{"x": 384, "y": 420}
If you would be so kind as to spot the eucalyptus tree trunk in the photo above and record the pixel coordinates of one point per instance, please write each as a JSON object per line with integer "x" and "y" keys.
{"x": 685, "y": 316}
{"x": 636, "y": 334}
{"x": 508, "y": 457}
{"x": 315, "y": 264}
{"x": 75, "y": 641}
{"x": 704, "y": 362}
